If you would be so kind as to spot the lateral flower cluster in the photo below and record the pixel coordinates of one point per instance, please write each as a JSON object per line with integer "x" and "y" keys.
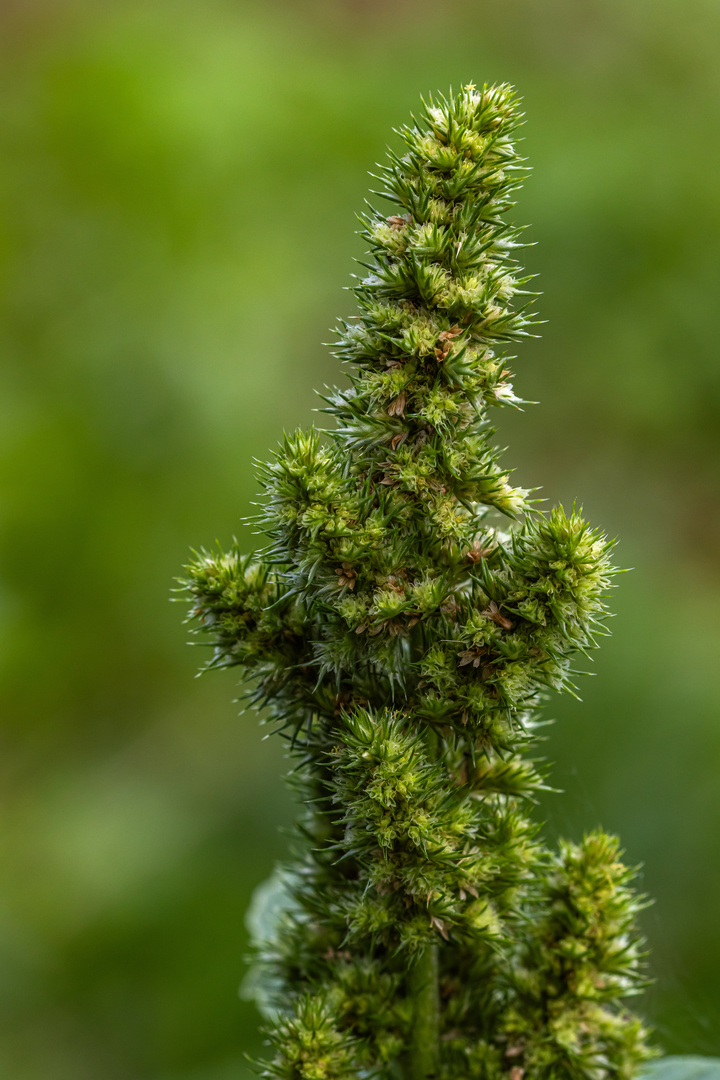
{"x": 400, "y": 629}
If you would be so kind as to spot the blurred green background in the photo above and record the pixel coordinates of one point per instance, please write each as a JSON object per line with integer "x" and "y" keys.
{"x": 179, "y": 184}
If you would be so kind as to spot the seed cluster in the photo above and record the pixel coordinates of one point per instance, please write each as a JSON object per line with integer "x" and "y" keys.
{"x": 400, "y": 629}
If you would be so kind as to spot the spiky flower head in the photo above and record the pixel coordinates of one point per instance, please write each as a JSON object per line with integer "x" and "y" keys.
{"x": 401, "y": 627}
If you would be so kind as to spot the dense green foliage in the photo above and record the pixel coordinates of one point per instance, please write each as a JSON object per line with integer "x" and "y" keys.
{"x": 400, "y": 629}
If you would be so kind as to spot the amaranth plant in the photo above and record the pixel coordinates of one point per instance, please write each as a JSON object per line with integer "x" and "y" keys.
{"x": 400, "y": 629}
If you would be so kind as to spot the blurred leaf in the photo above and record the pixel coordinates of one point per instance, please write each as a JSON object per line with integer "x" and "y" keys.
{"x": 684, "y": 1068}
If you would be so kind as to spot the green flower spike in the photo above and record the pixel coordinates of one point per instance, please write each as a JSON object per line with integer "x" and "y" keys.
{"x": 401, "y": 627}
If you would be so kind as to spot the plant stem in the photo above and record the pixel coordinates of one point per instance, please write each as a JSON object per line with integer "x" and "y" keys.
{"x": 425, "y": 1035}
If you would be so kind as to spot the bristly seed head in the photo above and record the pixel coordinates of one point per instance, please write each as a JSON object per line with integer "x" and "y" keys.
{"x": 408, "y": 615}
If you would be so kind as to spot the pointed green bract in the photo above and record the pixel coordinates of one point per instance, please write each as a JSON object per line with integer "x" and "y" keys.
{"x": 400, "y": 629}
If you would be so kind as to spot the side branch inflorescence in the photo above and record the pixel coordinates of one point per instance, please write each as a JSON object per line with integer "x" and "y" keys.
{"x": 400, "y": 629}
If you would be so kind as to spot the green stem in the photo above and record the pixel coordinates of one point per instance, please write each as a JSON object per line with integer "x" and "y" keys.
{"x": 423, "y": 1059}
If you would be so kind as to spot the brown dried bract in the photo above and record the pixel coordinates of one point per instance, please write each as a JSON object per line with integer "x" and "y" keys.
{"x": 346, "y": 575}
{"x": 438, "y": 924}
{"x": 446, "y": 339}
{"x": 397, "y": 407}
{"x": 478, "y": 552}
{"x": 449, "y": 607}
{"x": 493, "y": 612}
{"x": 471, "y": 656}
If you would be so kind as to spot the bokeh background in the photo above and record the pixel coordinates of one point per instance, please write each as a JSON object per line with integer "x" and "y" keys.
{"x": 178, "y": 188}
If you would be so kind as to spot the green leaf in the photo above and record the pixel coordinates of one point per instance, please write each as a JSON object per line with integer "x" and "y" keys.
{"x": 683, "y": 1068}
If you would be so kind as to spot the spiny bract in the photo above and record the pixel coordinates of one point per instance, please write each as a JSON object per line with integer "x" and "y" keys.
{"x": 402, "y": 640}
